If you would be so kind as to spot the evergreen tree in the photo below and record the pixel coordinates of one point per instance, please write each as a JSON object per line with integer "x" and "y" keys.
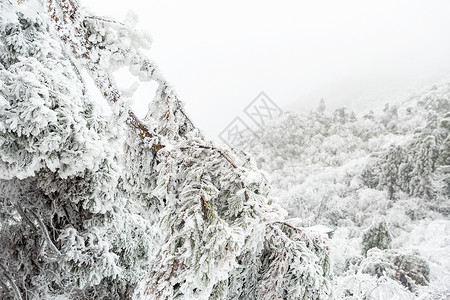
{"x": 169, "y": 216}
{"x": 390, "y": 117}
{"x": 425, "y": 156}
{"x": 444, "y": 150}
{"x": 321, "y": 108}
{"x": 377, "y": 236}
{"x": 369, "y": 115}
{"x": 389, "y": 176}
{"x": 341, "y": 115}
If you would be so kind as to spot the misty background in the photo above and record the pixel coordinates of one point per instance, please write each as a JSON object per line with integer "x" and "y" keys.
{"x": 220, "y": 55}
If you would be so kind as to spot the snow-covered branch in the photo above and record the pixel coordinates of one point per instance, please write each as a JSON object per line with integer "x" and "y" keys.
{"x": 11, "y": 282}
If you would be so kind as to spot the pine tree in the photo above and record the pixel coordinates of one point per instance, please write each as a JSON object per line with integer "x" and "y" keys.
{"x": 341, "y": 115}
{"x": 63, "y": 217}
{"x": 390, "y": 117}
{"x": 377, "y": 236}
{"x": 369, "y": 116}
{"x": 170, "y": 216}
{"x": 444, "y": 150}
{"x": 321, "y": 108}
{"x": 425, "y": 157}
{"x": 390, "y": 170}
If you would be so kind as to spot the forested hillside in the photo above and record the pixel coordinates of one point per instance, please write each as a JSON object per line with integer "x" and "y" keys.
{"x": 379, "y": 180}
{"x": 96, "y": 206}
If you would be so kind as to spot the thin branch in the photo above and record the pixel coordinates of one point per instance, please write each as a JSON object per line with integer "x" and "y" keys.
{"x": 104, "y": 20}
{"x": 24, "y": 216}
{"x": 163, "y": 82}
{"x": 4, "y": 286}
{"x": 41, "y": 248}
{"x": 113, "y": 95}
{"x": 206, "y": 204}
{"x": 227, "y": 158}
{"x": 289, "y": 225}
{"x": 220, "y": 152}
{"x": 77, "y": 73}
{"x": 46, "y": 234}
{"x": 107, "y": 87}
{"x": 11, "y": 281}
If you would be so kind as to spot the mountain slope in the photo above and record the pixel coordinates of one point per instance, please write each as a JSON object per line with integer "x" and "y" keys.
{"x": 348, "y": 172}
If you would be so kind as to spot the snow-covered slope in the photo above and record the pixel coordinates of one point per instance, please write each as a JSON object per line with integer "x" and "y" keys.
{"x": 349, "y": 172}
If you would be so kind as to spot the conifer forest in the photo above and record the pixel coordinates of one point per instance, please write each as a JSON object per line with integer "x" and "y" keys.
{"x": 324, "y": 204}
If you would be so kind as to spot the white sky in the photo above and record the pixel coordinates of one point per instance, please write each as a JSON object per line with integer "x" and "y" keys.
{"x": 220, "y": 55}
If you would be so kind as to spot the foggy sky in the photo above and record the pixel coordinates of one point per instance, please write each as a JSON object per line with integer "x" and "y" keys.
{"x": 220, "y": 55}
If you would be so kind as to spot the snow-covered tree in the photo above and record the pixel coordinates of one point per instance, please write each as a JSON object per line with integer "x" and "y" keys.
{"x": 390, "y": 117}
{"x": 425, "y": 157}
{"x": 321, "y": 108}
{"x": 377, "y": 236}
{"x": 96, "y": 207}
{"x": 389, "y": 175}
{"x": 406, "y": 267}
{"x": 64, "y": 215}
{"x": 327, "y": 171}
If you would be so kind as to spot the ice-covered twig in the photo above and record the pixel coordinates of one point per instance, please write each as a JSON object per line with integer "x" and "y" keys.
{"x": 46, "y": 234}
{"x": 11, "y": 281}
{"x": 24, "y": 216}
{"x": 104, "y": 20}
{"x": 228, "y": 159}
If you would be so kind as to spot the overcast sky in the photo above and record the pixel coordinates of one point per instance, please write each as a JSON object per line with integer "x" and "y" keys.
{"x": 220, "y": 55}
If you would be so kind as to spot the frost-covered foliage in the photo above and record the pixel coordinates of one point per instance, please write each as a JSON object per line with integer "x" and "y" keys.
{"x": 406, "y": 267}
{"x": 279, "y": 270}
{"x": 220, "y": 233}
{"x": 96, "y": 207}
{"x": 63, "y": 215}
{"x": 349, "y": 171}
{"x": 364, "y": 286}
{"x": 377, "y": 236}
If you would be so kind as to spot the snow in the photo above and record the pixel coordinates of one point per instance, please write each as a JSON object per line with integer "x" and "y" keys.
{"x": 97, "y": 209}
{"x": 432, "y": 240}
{"x": 317, "y": 171}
